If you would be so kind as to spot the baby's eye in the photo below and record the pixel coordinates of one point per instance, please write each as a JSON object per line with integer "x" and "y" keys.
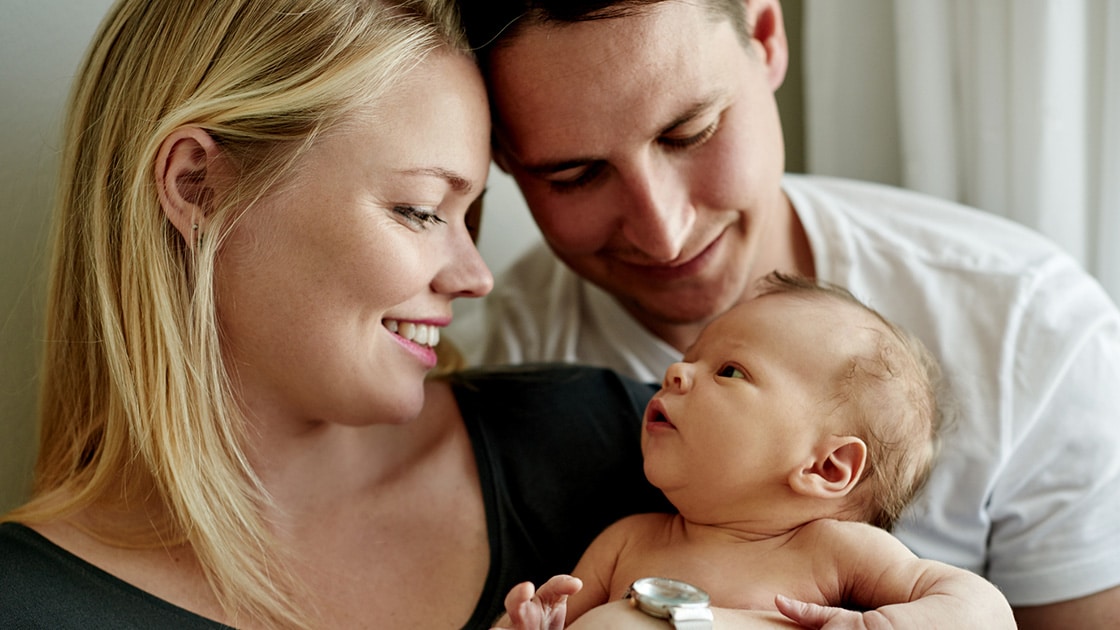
{"x": 418, "y": 217}
{"x": 730, "y": 371}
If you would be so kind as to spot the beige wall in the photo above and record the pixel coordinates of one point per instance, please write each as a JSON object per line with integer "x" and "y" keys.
{"x": 791, "y": 95}
{"x": 41, "y": 42}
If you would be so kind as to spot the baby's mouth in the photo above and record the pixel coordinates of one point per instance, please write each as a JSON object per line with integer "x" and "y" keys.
{"x": 420, "y": 334}
{"x": 655, "y": 415}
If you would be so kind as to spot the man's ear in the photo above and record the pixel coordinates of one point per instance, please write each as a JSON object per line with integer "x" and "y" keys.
{"x": 769, "y": 29}
{"x": 833, "y": 470}
{"x": 188, "y": 167}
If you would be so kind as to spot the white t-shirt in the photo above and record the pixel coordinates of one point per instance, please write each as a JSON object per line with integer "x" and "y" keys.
{"x": 1027, "y": 487}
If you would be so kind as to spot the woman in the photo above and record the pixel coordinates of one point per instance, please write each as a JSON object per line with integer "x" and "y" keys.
{"x": 261, "y": 226}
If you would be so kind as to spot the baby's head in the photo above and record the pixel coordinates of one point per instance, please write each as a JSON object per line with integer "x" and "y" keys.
{"x": 803, "y": 387}
{"x": 885, "y": 392}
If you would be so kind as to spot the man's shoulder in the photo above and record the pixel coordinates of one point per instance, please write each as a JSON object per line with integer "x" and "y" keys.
{"x": 537, "y": 275}
{"x": 536, "y": 292}
{"x": 861, "y": 228}
{"x": 835, "y": 205}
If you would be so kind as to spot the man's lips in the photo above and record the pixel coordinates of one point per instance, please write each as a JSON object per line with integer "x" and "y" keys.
{"x": 656, "y": 418}
{"x": 675, "y": 271}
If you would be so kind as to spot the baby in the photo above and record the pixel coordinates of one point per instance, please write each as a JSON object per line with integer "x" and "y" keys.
{"x": 790, "y": 438}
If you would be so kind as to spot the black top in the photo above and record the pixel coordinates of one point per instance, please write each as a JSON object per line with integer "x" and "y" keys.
{"x": 44, "y": 586}
{"x": 558, "y": 459}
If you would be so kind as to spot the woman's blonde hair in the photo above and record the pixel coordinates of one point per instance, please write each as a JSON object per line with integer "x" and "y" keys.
{"x": 137, "y": 411}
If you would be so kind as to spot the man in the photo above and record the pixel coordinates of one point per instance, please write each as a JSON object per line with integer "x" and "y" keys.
{"x": 645, "y": 138}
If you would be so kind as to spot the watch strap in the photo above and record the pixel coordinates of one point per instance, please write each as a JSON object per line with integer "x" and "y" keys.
{"x": 688, "y": 618}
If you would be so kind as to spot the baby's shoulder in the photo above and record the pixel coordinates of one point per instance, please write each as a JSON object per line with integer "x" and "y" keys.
{"x": 834, "y": 531}
{"x": 651, "y": 523}
{"x": 638, "y": 533}
{"x": 846, "y": 537}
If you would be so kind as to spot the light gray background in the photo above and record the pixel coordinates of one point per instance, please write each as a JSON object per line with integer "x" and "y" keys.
{"x": 41, "y": 45}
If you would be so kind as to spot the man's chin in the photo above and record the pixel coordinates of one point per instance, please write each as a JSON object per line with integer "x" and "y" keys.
{"x": 691, "y": 302}
{"x": 674, "y": 311}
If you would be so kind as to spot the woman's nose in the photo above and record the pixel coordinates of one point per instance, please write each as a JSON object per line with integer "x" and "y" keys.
{"x": 465, "y": 274}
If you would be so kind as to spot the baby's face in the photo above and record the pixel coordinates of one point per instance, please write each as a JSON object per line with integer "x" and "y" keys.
{"x": 752, "y": 397}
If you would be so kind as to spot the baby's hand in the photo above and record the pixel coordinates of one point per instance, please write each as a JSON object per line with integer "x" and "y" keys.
{"x": 809, "y": 615}
{"x": 544, "y": 609}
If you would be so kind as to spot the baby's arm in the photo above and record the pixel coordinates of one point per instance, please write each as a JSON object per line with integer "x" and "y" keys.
{"x": 564, "y": 598}
{"x": 528, "y": 608}
{"x": 876, "y": 572}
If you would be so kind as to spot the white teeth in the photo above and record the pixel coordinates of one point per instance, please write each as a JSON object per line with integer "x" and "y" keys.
{"x": 407, "y": 330}
{"x": 422, "y": 334}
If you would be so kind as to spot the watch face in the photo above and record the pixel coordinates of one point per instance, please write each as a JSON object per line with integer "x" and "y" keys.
{"x": 668, "y": 593}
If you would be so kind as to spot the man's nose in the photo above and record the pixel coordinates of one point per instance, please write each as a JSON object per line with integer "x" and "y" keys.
{"x": 658, "y": 215}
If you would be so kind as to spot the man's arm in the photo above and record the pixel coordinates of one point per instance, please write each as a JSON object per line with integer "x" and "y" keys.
{"x": 874, "y": 571}
{"x": 1098, "y": 611}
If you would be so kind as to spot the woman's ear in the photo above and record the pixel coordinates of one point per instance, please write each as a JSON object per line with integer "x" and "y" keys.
{"x": 833, "y": 470}
{"x": 188, "y": 167}
{"x": 769, "y": 30}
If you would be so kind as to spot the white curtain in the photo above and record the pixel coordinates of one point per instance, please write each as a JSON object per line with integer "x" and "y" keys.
{"x": 1012, "y": 106}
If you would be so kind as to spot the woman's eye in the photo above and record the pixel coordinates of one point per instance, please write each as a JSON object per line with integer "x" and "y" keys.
{"x": 418, "y": 217}
{"x": 730, "y": 371}
{"x": 693, "y": 140}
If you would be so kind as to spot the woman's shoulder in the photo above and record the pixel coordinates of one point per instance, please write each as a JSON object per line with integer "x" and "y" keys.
{"x": 44, "y": 585}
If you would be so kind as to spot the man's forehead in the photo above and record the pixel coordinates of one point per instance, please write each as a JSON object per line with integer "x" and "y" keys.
{"x": 558, "y": 89}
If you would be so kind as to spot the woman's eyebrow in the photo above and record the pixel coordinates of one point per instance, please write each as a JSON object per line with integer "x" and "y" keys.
{"x": 458, "y": 183}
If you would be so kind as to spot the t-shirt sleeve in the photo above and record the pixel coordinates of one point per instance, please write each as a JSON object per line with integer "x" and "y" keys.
{"x": 559, "y": 459}
{"x": 1056, "y": 504}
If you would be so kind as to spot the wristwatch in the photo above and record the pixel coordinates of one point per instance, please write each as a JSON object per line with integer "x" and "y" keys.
{"x": 684, "y": 605}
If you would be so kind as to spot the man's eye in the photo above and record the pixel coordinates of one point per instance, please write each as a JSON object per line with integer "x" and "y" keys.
{"x": 418, "y": 217}
{"x": 691, "y": 141}
{"x": 730, "y": 371}
{"x": 575, "y": 178}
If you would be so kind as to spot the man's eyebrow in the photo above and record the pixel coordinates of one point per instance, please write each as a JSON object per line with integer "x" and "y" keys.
{"x": 550, "y": 167}
{"x": 458, "y": 182}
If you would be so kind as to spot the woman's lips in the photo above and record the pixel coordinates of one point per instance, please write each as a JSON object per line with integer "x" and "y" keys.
{"x": 419, "y": 339}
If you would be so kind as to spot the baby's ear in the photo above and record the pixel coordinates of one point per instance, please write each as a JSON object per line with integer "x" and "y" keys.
{"x": 187, "y": 170}
{"x": 833, "y": 470}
